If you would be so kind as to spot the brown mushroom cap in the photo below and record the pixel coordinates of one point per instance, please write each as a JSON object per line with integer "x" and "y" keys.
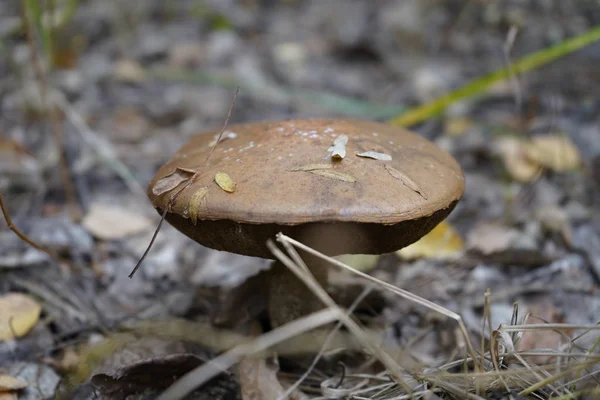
{"x": 354, "y": 205}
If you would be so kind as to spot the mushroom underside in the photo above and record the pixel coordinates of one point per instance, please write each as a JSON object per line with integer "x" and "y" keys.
{"x": 331, "y": 238}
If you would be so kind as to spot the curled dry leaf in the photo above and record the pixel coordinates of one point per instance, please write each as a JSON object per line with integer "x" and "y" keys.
{"x": 9, "y": 383}
{"x": 375, "y": 155}
{"x": 556, "y": 152}
{"x": 338, "y": 150}
{"x": 443, "y": 242}
{"x": 312, "y": 167}
{"x": 195, "y": 202}
{"x": 172, "y": 180}
{"x": 405, "y": 180}
{"x": 340, "y": 176}
{"x": 225, "y": 182}
{"x": 18, "y": 314}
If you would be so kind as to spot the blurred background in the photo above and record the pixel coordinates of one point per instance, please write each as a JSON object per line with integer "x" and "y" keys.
{"x": 96, "y": 95}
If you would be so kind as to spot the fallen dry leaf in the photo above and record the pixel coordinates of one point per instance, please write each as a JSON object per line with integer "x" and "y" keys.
{"x": 9, "y": 383}
{"x": 340, "y": 176}
{"x": 129, "y": 71}
{"x": 109, "y": 222}
{"x": 172, "y": 180}
{"x": 18, "y": 314}
{"x": 405, "y": 180}
{"x": 458, "y": 126}
{"x": 443, "y": 242}
{"x": 338, "y": 150}
{"x": 258, "y": 381}
{"x": 312, "y": 167}
{"x": 8, "y": 396}
{"x": 375, "y": 155}
{"x": 489, "y": 237}
{"x": 556, "y": 152}
{"x": 225, "y": 182}
{"x": 195, "y": 202}
{"x": 513, "y": 153}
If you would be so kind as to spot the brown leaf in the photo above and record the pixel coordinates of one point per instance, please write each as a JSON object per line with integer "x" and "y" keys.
{"x": 311, "y": 167}
{"x": 111, "y": 222}
{"x": 225, "y": 182}
{"x": 195, "y": 202}
{"x": 340, "y": 176}
{"x": 405, "y": 180}
{"x": 172, "y": 180}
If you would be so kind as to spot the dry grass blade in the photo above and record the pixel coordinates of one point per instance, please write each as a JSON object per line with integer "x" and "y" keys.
{"x": 205, "y": 372}
{"x": 401, "y": 292}
{"x": 299, "y": 269}
{"x": 26, "y": 238}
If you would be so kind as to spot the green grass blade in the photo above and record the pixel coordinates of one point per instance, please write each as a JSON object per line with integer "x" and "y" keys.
{"x": 35, "y": 12}
{"x": 523, "y": 65}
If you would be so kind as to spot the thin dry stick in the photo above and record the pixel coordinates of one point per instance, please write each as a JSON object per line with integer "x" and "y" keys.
{"x": 198, "y": 376}
{"x": 187, "y": 184}
{"x": 401, "y": 292}
{"x": 26, "y": 238}
{"x": 53, "y": 117}
{"x": 299, "y": 269}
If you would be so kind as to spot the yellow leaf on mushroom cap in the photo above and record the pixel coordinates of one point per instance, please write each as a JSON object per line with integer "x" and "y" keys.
{"x": 225, "y": 182}
{"x": 18, "y": 314}
{"x": 442, "y": 242}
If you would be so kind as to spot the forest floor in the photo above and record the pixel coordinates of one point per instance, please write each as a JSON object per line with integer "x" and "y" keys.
{"x": 133, "y": 81}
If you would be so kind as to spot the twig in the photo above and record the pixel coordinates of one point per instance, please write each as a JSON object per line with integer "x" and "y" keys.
{"x": 26, "y": 238}
{"x": 187, "y": 184}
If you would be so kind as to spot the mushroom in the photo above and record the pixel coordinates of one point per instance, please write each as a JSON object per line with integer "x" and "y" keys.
{"x": 282, "y": 178}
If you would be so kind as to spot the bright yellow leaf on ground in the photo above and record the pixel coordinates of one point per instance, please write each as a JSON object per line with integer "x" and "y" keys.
{"x": 442, "y": 242}
{"x": 18, "y": 314}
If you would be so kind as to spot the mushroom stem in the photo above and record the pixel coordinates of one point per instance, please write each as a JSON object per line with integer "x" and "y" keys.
{"x": 289, "y": 297}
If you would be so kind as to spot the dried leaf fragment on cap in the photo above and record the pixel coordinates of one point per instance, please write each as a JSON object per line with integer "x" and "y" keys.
{"x": 172, "y": 180}
{"x": 195, "y": 202}
{"x": 375, "y": 155}
{"x": 340, "y": 176}
{"x": 402, "y": 177}
{"x": 338, "y": 150}
{"x": 311, "y": 167}
{"x": 18, "y": 314}
{"x": 9, "y": 383}
{"x": 225, "y": 182}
